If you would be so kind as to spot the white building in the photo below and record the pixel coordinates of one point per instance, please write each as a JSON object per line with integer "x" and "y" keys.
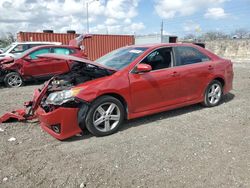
{"x": 151, "y": 39}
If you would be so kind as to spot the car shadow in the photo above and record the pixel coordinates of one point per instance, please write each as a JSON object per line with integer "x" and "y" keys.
{"x": 171, "y": 113}
{"x": 155, "y": 117}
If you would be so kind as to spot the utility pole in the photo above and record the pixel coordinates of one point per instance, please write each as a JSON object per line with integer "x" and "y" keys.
{"x": 87, "y": 6}
{"x": 87, "y": 12}
{"x": 162, "y": 31}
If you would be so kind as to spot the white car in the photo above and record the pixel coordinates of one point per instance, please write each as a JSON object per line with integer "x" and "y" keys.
{"x": 17, "y": 48}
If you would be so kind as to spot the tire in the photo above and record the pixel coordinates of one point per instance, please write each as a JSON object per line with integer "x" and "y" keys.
{"x": 213, "y": 94}
{"x": 13, "y": 79}
{"x": 99, "y": 120}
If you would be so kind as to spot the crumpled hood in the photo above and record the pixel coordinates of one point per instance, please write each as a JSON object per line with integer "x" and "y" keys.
{"x": 6, "y": 60}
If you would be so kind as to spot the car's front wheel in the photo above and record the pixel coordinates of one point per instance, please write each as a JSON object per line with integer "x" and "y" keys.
{"x": 213, "y": 94}
{"x": 105, "y": 116}
{"x": 13, "y": 79}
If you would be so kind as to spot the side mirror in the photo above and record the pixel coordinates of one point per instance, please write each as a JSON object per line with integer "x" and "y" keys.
{"x": 142, "y": 67}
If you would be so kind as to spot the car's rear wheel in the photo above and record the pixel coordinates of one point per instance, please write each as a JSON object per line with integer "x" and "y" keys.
{"x": 105, "y": 116}
{"x": 213, "y": 94}
{"x": 13, "y": 79}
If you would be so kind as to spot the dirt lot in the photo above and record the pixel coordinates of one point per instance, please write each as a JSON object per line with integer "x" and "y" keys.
{"x": 188, "y": 147}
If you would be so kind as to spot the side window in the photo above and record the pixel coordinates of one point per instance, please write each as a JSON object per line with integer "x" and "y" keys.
{"x": 63, "y": 51}
{"x": 188, "y": 55}
{"x": 38, "y": 52}
{"x": 20, "y": 48}
{"x": 159, "y": 59}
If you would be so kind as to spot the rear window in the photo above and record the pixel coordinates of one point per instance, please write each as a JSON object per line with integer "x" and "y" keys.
{"x": 186, "y": 55}
{"x": 62, "y": 51}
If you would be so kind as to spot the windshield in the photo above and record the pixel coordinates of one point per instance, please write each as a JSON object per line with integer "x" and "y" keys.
{"x": 121, "y": 58}
{"x": 7, "y": 48}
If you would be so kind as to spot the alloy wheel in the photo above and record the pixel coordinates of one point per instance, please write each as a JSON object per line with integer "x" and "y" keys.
{"x": 14, "y": 81}
{"x": 106, "y": 117}
{"x": 214, "y": 94}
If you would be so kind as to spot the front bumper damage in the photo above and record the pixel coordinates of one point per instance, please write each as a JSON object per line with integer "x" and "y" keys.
{"x": 18, "y": 115}
{"x": 61, "y": 122}
{"x": 22, "y": 114}
{"x": 27, "y": 113}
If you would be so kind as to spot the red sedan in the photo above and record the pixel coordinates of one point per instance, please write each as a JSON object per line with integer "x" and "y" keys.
{"x": 127, "y": 83}
{"x": 27, "y": 66}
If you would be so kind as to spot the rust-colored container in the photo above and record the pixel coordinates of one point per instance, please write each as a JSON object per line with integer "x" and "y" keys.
{"x": 95, "y": 47}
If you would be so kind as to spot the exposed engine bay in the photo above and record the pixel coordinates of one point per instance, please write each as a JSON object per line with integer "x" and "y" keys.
{"x": 80, "y": 72}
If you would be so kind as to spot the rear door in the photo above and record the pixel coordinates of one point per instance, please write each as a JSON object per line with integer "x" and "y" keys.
{"x": 61, "y": 66}
{"x": 194, "y": 68}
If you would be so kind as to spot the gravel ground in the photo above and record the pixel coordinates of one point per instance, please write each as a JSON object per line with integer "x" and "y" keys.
{"x": 188, "y": 147}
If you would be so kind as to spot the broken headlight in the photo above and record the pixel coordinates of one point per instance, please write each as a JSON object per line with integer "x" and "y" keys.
{"x": 61, "y": 97}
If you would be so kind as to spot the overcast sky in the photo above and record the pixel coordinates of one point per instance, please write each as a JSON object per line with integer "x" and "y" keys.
{"x": 180, "y": 17}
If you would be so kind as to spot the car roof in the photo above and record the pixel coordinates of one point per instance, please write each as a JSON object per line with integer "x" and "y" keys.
{"x": 156, "y": 45}
{"x": 159, "y": 45}
{"x": 51, "y": 45}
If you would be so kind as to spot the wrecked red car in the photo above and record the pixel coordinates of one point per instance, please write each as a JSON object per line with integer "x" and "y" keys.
{"x": 27, "y": 66}
{"x": 127, "y": 83}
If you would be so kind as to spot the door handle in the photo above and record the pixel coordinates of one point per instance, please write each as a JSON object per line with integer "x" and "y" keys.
{"x": 210, "y": 67}
{"x": 174, "y": 74}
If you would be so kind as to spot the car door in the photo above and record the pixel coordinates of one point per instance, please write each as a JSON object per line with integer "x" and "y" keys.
{"x": 194, "y": 68}
{"x": 61, "y": 66}
{"x": 43, "y": 67}
{"x": 34, "y": 66}
{"x": 157, "y": 88}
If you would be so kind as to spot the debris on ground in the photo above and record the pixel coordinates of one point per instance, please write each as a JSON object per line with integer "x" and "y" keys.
{"x": 12, "y": 139}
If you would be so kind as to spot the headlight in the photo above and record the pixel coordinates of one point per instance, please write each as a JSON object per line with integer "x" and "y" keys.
{"x": 58, "y": 98}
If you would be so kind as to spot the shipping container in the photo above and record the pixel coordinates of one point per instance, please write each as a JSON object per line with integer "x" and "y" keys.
{"x": 95, "y": 47}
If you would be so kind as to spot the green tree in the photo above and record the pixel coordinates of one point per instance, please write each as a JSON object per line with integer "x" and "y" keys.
{"x": 7, "y": 39}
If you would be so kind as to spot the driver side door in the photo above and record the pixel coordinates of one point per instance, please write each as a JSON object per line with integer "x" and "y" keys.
{"x": 37, "y": 67}
{"x": 157, "y": 88}
{"x": 45, "y": 67}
